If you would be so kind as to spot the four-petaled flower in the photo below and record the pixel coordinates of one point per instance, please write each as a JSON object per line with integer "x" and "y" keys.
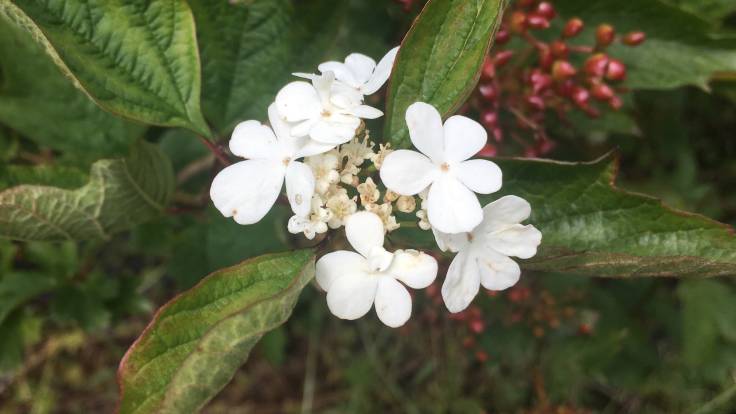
{"x": 483, "y": 254}
{"x": 327, "y": 111}
{"x": 443, "y": 166}
{"x": 359, "y": 71}
{"x": 356, "y": 281}
{"x": 246, "y": 190}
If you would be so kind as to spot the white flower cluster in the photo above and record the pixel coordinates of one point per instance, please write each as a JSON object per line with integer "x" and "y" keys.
{"x": 321, "y": 122}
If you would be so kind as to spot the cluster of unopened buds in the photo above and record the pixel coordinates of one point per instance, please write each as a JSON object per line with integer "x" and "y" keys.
{"x": 525, "y": 82}
{"x": 321, "y": 122}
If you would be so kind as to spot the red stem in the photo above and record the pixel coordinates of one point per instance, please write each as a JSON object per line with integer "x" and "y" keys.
{"x": 216, "y": 150}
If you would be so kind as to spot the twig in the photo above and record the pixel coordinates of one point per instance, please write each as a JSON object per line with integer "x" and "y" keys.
{"x": 216, "y": 150}
{"x": 195, "y": 167}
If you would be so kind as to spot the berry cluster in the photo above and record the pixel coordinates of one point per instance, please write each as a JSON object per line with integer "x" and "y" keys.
{"x": 525, "y": 79}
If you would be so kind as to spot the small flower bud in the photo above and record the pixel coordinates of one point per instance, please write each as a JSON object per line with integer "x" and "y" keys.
{"x": 604, "y": 34}
{"x": 477, "y": 326}
{"x": 487, "y": 91}
{"x": 406, "y": 204}
{"x": 601, "y": 91}
{"x": 562, "y": 70}
{"x": 502, "y": 37}
{"x": 503, "y": 57}
{"x": 518, "y": 22}
{"x": 634, "y": 38}
{"x": 559, "y": 49}
{"x": 595, "y": 66}
{"x": 497, "y": 134}
{"x": 573, "y": 27}
{"x": 537, "y": 21}
{"x": 547, "y": 10}
{"x": 488, "y": 71}
{"x": 616, "y": 70}
{"x": 390, "y": 196}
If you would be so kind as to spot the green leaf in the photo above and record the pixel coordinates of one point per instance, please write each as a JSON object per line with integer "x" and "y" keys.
{"x": 17, "y": 288}
{"x": 440, "y": 59}
{"x": 120, "y": 194}
{"x": 196, "y": 342}
{"x": 39, "y": 102}
{"x": 679, "y": 50}
{"x": 249, "y": 52}
{"x": 137, "y": 58}
{"x": 590, "y": 227}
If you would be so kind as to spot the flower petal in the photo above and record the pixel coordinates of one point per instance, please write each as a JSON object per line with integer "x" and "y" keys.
{"x": 337, "y": 264}
{"x": 306, "y": 147}
{"x": 463, "y": 138}
{"x": 298, "y": 101}
{"x": 393, "y": 302}
{"x": 481, "y": 176}
{"x": 416, "y": 269}
{"x": 497, "y": 272}
{"x": 299, "y": 187}
{"x": 462, "y": 282}
{"x": 381, "y": 73}
{"x": 449, "y": 241}
{"x": 342, "y": 72}
{"x": 506, "y": 210}
{"x": 361, "y": 66}
{"x": 407, "y": 172}
{"x": 247, "y": 190}
{"x": 323, "y": 86}
{"x": 253, "y": 140}
{"x": 280, "y": 127}
{"x": 425, "y": 130}
{"x": 351, "y": 296}
{"x": 366, "y": 112}
{"x": 516, "y": 240}
{"x": 323, "y": 132}
{"x": 364, "y": 231}
{"x": 451, "y": 207}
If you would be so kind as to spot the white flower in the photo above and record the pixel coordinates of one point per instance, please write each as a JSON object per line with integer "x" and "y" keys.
{"x": 323, "y": 110}
{"x": 324, "y": 166}
{"x": 355, "y": 281}
{"x": 246, "y": 190}
{"x": 360, "y": 71}
{"x": 483, "y": 254}
{"x": 443, "y": 166}
{"x": 314, "y": 222}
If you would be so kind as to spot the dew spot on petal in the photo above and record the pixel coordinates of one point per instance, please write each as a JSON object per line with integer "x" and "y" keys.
{"x": 298, "y": 199}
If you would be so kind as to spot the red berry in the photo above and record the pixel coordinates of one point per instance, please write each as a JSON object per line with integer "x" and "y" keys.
{"x": 487, "y": 91}
{"x": 545, "y": 146}
{"x": 616, "y": 70}
{"x": 535, "y": 102}
{"x": 537, "y": 21}
{"x": 581, "y": 97}
{"x": 601, "y": 91}
{"x": 573, "y": 27}
{"x": 489, "y": 119}
{"x": 498, "y": 134}
{"x": 562, "y": 70}
{"x": 559, "y": 49}
{"x": 545, "y": 57}
{"x": 615, "y": 102}
{"x": 502, "y": 37}
{"x": 546, "y": 9}
{"x": 468, "y": 342}
{"x": 477, "y": 326}
{"x": 595, "y": 66}
{"x": 540, "y": 81}
{"x": 604, "y": 34}
{"x": 634, "y": 38}
{"x": 585, "y": 329}
{"x": 481, "y": 356}
{"x": 488, "y": 150}
{"x": 503, "y": 57}
{"x": 518, "y": 22}
{"x": 488, "y": 71}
